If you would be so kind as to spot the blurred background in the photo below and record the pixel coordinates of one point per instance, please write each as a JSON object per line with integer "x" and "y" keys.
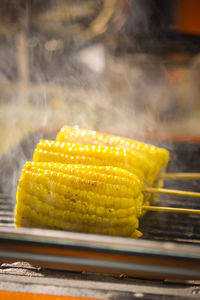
{"x": 128, "y": 67}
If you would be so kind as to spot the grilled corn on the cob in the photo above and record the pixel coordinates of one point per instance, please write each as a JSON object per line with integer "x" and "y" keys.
{"x": 84, "y": 198}
{"x": 158, "y": 156}
{"x": 67, "y": 153}
{"x": 88, "y": 182}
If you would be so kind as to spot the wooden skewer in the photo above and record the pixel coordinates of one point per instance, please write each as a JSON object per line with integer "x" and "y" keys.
{"x": 172, "y": 209}
{"x": 172, "y": 192}
{"x": 181, "y": 176}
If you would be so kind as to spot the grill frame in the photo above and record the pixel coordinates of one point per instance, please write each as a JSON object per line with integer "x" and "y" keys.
{"x": 100, "y": 254}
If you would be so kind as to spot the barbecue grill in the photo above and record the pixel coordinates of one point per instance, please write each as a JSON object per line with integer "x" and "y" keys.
{"x": 46, "y": 79}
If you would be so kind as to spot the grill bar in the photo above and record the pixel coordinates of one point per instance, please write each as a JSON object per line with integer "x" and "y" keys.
{"x": 92, "y": 253}
{"x": 6, "y": 211}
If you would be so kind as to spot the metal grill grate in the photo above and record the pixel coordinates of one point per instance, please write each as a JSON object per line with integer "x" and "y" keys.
{"x": 173, "y": 226}
{"x": 6, "y": 211}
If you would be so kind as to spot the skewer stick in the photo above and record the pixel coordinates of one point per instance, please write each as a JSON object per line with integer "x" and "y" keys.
{"x": 181, "y": 176}
{"x": 172, "y": 209}
{"x": 171, "y": 192}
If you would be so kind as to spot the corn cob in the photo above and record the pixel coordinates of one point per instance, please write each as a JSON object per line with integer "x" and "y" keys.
{"x": 158, "y": 156}
{"x": 84, "y": 198}
{"x": 66, "y": 153}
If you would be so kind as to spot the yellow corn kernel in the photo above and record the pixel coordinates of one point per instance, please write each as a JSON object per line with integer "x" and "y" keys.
{"x": 69, "y": 197}
{"x": 67, "y": 153}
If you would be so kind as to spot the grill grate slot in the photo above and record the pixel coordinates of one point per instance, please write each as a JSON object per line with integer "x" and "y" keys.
{"x": 6, "y": 211}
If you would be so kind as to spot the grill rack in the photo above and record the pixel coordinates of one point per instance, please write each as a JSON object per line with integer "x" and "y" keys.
{"x": 154, "y": 225}
{"x": 166, "y": 236}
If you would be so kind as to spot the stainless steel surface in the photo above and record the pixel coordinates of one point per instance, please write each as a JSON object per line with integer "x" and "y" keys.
{"x": 29, "y": 279}
{"x": 148, "y": 259}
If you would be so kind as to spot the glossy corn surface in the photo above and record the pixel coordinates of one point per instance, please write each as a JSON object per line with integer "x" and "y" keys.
{"x": 158, "y": 156}
{"x": 67, "y": 153}
{"x": 83, "y": 198}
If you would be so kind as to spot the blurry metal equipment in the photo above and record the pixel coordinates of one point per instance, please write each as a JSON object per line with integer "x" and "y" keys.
{"x": 63, "y": 18}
